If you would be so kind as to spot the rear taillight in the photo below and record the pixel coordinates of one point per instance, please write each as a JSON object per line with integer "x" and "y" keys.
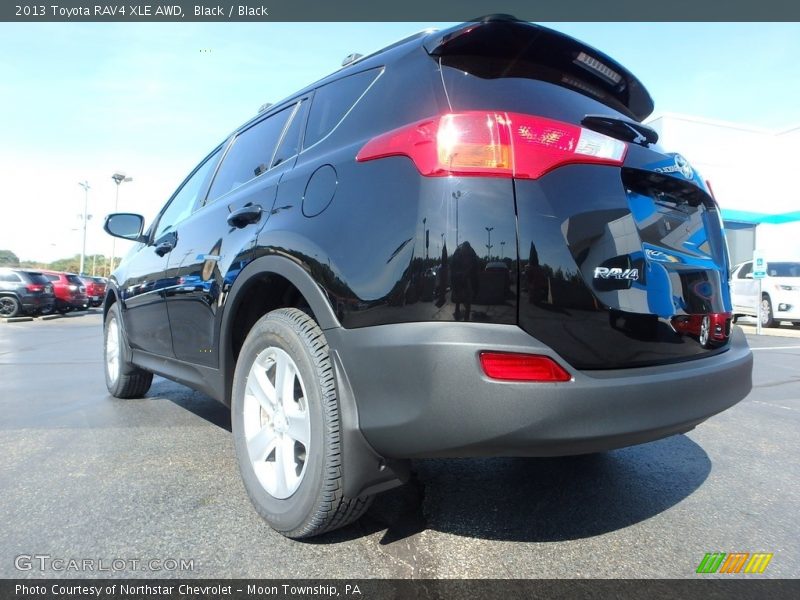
{"x": 495, "y": 144}
{"x": 34, "y": 288}
{"x": 509, "y": 366}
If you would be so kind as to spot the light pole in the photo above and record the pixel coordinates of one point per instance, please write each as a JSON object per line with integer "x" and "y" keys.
{"x": 489, "y": 244}
{"x": 119, "y": 178}
{"x": 502, "y": 250}
{"x": 85, "y": 186}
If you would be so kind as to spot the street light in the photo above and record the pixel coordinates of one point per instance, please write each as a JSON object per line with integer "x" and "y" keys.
{"x": 489, "y": 244}
{"x": 502, "y": 250}
{"x": 85, "y": 186}
{"x": 119, "y": 178}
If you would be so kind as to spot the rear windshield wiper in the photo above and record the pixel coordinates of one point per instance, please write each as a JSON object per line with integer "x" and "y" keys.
{"x": 627, "y": 131}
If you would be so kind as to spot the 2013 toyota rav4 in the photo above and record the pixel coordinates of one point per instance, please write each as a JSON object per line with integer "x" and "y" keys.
{"x": 466, "y": 244}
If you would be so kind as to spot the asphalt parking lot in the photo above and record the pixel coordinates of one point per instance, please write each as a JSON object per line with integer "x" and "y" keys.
{"x": 87, "y": 476}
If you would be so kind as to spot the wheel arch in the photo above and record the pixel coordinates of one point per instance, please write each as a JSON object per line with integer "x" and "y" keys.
{"x": 265, "y": 284}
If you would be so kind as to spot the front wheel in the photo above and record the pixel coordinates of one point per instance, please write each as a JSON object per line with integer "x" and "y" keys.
{"x": 767, "y": 318}
{"x": 123, "y": 379}
{"x": 286, "y": 428}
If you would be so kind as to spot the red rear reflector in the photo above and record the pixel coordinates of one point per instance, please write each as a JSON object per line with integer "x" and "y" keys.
{"x": 522, "y": 367}
{"x": 497, "y": 144}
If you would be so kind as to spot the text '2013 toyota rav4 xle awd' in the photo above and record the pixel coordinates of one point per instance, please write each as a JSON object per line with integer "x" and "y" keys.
{"x": 466, "y": 244}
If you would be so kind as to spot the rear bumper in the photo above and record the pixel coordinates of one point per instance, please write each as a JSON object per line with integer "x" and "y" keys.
{"x": 33, "y": 304}
{"x": 420, "y": 392}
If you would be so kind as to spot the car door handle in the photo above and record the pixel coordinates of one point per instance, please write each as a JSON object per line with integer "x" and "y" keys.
{"x": 247, "y": 215}
{"x": 164, "y": 247}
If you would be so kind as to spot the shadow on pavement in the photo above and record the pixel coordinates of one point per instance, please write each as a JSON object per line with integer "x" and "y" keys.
{"x": 199, "y": 404}
{"x": 537, "y": 499}
{"x": 514, "y": 499}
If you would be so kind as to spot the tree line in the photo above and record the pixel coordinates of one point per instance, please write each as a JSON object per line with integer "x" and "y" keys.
{"x": 94, "y": 264}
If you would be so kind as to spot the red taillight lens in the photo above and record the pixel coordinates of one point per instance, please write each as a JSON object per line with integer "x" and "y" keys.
{"x": 34, "y": 288}
{"x": 509, "y": 366}
{"x": 495, "y": 144}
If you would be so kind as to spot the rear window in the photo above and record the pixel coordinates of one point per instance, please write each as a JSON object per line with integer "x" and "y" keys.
{"x": 523, "y": 95}
{"x": 333, "y": 101}
{"x": 783, "y": 269}
{"x": 53, "y": 277}
{"x": 74, "y": 279}
{"x": 497, "y": 53}
{"x": 37, "y": 278}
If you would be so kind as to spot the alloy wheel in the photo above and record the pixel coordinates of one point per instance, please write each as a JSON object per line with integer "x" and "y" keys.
{"x": 277, "y": 423}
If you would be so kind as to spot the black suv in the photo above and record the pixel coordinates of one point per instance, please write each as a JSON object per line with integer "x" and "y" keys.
{"x": 466, "y": 244}
{"x": 24, "y": 291}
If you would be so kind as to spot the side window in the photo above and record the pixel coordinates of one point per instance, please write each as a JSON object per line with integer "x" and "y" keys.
{"x": 333, "y": 101}
{"x": 746, "y": 268}
{"x": 53, "y": 277}
{"x": 250, "y": 155}
{"x": 184, "y": 202}
{"x": 10, "y": 277}
{"x": 290, "y": 144}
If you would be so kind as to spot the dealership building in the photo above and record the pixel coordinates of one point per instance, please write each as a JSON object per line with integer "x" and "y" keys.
{"x": 754, "y": 174}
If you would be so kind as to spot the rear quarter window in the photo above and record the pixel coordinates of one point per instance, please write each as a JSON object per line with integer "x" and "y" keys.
{"x": 333, "y": 101}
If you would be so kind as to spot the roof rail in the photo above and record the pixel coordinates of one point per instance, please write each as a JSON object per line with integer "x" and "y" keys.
{"x": 351, "y": 58}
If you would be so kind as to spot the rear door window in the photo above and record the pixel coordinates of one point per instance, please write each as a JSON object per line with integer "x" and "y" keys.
{"x": 290, "y": 144}
{"x": 333, "y": 101}
{"x": 11, "y": 277}
{"x": 250, "y": 154}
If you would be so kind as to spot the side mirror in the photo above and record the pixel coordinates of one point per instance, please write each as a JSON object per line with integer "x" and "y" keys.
{"x": 127, "y": 226}
{"x": 749, "y": 276}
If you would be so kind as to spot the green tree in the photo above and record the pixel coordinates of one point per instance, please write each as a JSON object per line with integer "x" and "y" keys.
{"x": 8, "y": 259}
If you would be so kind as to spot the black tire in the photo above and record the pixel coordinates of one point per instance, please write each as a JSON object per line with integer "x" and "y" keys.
{"x": 130, "y": 380}
{"x": 9, "y": 307}
{"x": 767, "y": 316}
{"x": 318, "y": 504}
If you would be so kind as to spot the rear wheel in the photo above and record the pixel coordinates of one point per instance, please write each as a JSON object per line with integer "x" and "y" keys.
{"x": 286, "y": 427}
{"x": 767, "y": 318}
{"x": 123, "y": 379}
{"x": 9, "y": 307}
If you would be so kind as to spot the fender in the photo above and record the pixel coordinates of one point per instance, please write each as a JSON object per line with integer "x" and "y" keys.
{"x": 297, "y": 276}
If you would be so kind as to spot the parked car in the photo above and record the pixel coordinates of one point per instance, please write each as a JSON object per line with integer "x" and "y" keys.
{"x": 95, "y": 289}
{"x": 69, "y": 290}
{"x": 24, "y": 291}
{"x": 780, "y": 292}
{"x": 305, "y": 236}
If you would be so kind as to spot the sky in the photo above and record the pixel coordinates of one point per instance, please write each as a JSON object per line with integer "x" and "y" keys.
{"x": 81, "y": 101}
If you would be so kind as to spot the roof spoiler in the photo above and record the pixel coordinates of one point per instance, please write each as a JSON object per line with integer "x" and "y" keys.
{"x": 506, "y": 37}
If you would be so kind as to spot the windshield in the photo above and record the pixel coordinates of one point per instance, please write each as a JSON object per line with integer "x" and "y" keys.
{"x": 784, "y": 269}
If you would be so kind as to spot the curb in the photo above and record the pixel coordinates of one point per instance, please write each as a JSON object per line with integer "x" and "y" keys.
{"x": 49, "y": 317}
{"x": 17, "y": 319}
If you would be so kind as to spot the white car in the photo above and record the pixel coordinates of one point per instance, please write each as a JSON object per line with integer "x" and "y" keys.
{"x": 780, "y": 292}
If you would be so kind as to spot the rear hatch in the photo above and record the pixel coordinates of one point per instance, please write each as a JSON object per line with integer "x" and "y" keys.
{"x": 39, "y": 285}
{"x": 77, "y": 288}
{"x": 622, "y": 261}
